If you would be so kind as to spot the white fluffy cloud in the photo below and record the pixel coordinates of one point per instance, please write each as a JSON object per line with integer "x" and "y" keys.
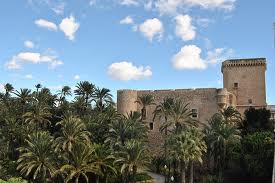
{"x": 218, "y": 55}
{"x": 189, "y": 57}
{"x": 168, "y": 6}
{"x": 184, "y": 28}
{"x": 46, "y": 24}
{"x": 127, "y": 20}
{"x": 35, "y": 58}
{"x": 173, "y": 6}
{"x": 29, "y": 44}
{"x": 212, "y": 4}
{"x": 127, "y": 71}
{"x": 28, "y": 76}
{"x": 69, "y": 26}
{"x": 129, "y": 2}
{"x": 152, "y": 28}
{"x": 76, "y": 77}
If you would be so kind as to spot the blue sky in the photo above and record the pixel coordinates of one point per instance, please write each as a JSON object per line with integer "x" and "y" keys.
{"x": 135, "y": 44}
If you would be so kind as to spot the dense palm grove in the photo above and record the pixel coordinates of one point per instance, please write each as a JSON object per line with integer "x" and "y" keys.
{"x": 78, "y": 136}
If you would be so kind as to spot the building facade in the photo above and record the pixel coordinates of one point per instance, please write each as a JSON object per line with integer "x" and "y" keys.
{"x": 243, "y": 87}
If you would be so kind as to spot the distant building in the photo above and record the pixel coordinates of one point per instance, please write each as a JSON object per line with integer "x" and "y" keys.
{"x": 272, "y": 110}
{"x": 243, "y": 87}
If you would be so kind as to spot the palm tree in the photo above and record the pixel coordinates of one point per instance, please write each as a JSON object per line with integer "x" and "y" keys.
{"x": 99, "y": 124}
{"x": 79, "y": 105}
{"x": 86, "y": 90}
{"x": 8, "y": 89}
{"x": 197, "y": 149}
{"x": 37, "y": 157}
{"x": 144, "y": 101}
{"x": 39, "y": 117}
{"x": 6, "y": 96}
{"x": 79, "y": 163}
{"x": 24, "y": 96}
{"x": 179, "y": 117}
{"x": 12, "y": 131}
{"x": 219, "y": 134}
{"x": 123, "y": 130}
{"x": 186, "y": 147}
{"x": 119, "y": 132}
{"x": 65, "y": 91}
{"x": 73, "y": 130}
{"x": 104, "y": 160}
{"x": 132, "y": 157}
{"x": 231, "y": 115}
{"x": 103, "y": 98}
{"x": 163, "y": 109}
{"x": 45, "y": 97}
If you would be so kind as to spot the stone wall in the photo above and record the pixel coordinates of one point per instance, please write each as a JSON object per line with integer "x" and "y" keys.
{"x": 204, "y": 100}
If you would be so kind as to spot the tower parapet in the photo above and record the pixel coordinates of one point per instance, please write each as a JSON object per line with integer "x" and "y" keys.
{"x": 126, "y": 101}
{"x": 244, "y": 63}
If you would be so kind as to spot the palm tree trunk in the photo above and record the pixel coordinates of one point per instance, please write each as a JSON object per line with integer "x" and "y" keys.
{"x": 134, "y": 174}
{"x": 224, "y": 157}
{"x": 182, "y": 172}
{"x": 86, "y": 101}
{"x": 191, "y": 172}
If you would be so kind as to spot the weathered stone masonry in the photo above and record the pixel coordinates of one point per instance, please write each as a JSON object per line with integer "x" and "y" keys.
{"x": 244, "y": 86}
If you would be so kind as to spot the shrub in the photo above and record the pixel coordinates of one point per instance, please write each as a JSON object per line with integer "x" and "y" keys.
{"x": 257, "y": 155}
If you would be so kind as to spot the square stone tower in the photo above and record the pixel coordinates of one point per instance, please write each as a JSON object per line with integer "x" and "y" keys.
{"x": 245, "y": 78}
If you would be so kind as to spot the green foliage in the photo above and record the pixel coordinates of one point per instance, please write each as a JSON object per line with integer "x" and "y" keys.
{"x": 73, "y": 130}
{"x": 179, "y": 116}
{"x": 14, "y": 180}
{"x": 187, "y": 146}
{"x": 132, "y": 156}
{"x": 257, "y": 120}
{"x": 143, "y": 177}
{"x": 220, "y": 134}
{"x": 78, "y": 162}
{"x": 257, "y": 153}
{"x": 37, "y": 157}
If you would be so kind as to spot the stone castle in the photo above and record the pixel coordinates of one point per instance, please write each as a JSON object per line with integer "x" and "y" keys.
{"x": 243, "y": 87}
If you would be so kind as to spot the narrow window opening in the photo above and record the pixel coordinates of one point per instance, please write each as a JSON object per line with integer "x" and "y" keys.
{"x": 250, "y": 101}
{"x": 236, "y": 85}
{"x": 151, "y": 125}
{"x": 194, "y": 113}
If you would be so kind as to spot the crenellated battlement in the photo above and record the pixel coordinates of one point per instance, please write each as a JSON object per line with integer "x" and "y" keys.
{"x": 250, "y": 62}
